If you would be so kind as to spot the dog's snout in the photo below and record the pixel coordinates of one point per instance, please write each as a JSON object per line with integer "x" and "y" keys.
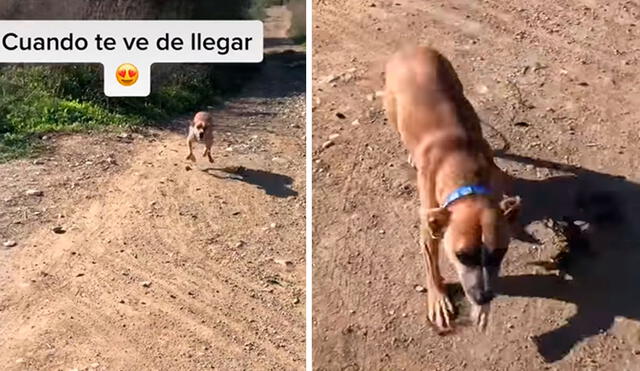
{"x": 484, "y": 297}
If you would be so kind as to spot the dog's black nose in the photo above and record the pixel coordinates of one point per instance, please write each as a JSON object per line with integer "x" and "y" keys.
{"x": 485, "y": 297}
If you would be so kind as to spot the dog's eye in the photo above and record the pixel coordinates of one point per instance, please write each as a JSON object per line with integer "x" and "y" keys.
{"x": 470, "y": 258}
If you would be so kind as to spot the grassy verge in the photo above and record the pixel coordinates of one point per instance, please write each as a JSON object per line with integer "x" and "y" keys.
{"x": 40, "y": 99}
{"x": 35, "y": 100}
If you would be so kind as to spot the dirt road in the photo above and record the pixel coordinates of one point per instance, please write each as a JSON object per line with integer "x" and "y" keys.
{"x": 163, "y": 265}
{"x": 559, "y": 81}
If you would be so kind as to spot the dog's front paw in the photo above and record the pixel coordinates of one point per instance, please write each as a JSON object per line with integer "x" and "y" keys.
{"x": 191, "y": 157}
{"x": 480, "y": 316}
{"x": 439, "y": 310}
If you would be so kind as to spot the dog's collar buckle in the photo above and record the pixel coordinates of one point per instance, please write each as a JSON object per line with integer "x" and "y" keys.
{"x": 465, "y": 191}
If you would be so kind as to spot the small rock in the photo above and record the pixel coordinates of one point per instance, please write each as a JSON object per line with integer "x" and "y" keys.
{"x": 284, "y": 262}
{"x": 482, "y": 89}
{"x": 340, "y": 115}
{"x": 146, "y": 284}
{"x": 187, "y": 167}
{"x": 419, "y": 288}
{"x": 34, "y": 192}
{"x": 123, "y": 136}
{"x": 371, "y": 97}
{"x": 327, "y": 144}
{"x": 381, "y": 231}
{"x": 379, "y": 93}
{"x": 239, "y": 244}
{"x": 334, "y": 136}
{"x": 94, "y": 365}
{"x": 38, "y": 162}
{"x": 583, "y": 225}
{"x": 273, "y": 225}
{"x": 330, "y": 79}
{"x": 355, "y": 122}
{"x": 9, "y": 243}
{"x": 279, "y": 160}
{"x": 296, "y": 301}
{"x": 58, "y": 230}
{"x": 229, "y": 149}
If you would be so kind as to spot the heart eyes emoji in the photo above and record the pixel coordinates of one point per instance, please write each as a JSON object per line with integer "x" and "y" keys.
{"x": 127, "y": 74}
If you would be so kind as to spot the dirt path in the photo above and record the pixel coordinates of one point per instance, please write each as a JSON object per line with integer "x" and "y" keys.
{"x": 163, "y": 266}
{"x": 559, "y": 81}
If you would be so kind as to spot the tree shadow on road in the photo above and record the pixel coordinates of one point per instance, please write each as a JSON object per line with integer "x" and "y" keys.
{"x": 605, "y": 282}
{"x": 273, "y": 184}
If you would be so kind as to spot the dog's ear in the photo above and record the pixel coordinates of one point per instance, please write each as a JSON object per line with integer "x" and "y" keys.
{"x": 437, "y": 221}
{"x": 510, "y": 207}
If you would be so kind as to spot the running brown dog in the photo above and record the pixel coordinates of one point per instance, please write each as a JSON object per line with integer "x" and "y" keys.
{"x": 200, "y": 130}
{"x": 461, "y": 190}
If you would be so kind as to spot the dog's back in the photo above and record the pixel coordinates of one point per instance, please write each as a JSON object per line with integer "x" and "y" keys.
{"x": 424, "y": 99}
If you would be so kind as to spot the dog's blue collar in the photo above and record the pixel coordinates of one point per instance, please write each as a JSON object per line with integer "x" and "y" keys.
{"x": 464, "y": 192}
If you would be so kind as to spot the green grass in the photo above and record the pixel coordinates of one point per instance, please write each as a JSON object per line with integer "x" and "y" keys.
{"x": 14, "y": 146}
{"x": 35, "y": 100}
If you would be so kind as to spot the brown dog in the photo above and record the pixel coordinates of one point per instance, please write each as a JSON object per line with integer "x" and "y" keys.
{"x": 460, "y": 187}
{"x": 200, "y": 130}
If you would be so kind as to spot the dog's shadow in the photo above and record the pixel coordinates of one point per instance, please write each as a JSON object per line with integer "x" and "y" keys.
{"x": 273, "y": 184}
{"x": 606, "y": 283}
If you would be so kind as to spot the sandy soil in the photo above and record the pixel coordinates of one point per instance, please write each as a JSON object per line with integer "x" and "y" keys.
{"x": 558, "y": 80}
{"x": 163, "y": 264}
